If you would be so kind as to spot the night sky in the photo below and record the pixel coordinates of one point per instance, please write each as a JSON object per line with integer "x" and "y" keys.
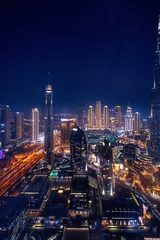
{"x": 95, "y": 50}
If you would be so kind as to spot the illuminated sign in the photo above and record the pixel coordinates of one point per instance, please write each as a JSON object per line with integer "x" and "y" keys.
{"x": 48, "y": 91}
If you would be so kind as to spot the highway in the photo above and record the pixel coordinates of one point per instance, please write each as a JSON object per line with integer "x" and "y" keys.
{"x": 19, "y": 167}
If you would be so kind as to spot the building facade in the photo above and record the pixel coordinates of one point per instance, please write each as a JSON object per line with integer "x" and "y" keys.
{"x": 5, "y": 125}
{"x": 129, "y": 121}
{"x": 35, "y": 124}
{"x": 118, "y": 117}
{"x": 78, "y": 150}
{"x": 98, "y": 115}
{"x": 105, "y": 117}
{"x": 48, "y": 121}
{"x": 90, "y": 117}
{"x": 66, "y": 128}
{"x": 19, "y": 125}
{"x": 136, "y": 122}
{"x": 154, "y": 148}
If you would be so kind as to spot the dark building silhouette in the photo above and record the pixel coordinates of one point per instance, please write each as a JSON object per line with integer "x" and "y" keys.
{"x": 48, "y": 143}
{"x": 78, "y": 149}
{"x": 154, "y": 146}
{"x": 5, "y": 125}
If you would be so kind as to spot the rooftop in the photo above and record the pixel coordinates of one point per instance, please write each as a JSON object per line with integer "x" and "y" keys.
{"x": 80, "y": 184}
{"x": 35, "y": 184}
{"x": 75, "y": 233}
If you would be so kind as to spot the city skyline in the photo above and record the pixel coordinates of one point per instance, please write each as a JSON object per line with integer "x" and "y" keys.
{"x": 74, "y": 55}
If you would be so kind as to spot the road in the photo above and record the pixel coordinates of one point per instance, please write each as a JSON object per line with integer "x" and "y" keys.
{"x": 19, "y": 167}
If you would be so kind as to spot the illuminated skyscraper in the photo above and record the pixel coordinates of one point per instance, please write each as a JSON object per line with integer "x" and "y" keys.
{"x": 5, "y": 125}
{"x": 98, "y": 115}
{"x": 90, "y": 117}
{"x": 105, "y": 117}
{"x": 48, "y": 135}
{"x": 19, "y": 125}
{"x": 35, "y": 124}
{"x": 66, "y": 128}
{"x": 129, "y": 120}
{"x": 136, "y": 122}
{"x": 154, "y": 149}
{"x": 118, "y": 116}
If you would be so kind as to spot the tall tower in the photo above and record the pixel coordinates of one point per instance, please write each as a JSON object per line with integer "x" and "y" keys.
{"x": 98, "y": 115}
{"x": 5, "y": 125}
{"x": 90, "y": 117}
{"x": 136, "y": 122}
{"x": 48, "y": 135}
{"x": 155, "y": 107}
{"x": 118, "y": 116}
{"x": 129, "y": 120}
{"x": 19, "y": 125}
{"x": 35, "y": 124}
{"x": 105, "y": 117}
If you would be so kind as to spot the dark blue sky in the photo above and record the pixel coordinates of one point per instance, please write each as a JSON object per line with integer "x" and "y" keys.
{"x": 95, "y": 50}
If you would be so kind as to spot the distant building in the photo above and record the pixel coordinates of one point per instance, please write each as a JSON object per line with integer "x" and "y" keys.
{"x": 129, "y": 121}
{"x": 98, "y": 115}
{"x": 19, "y": 125}
{"x": 35, "y": 124}
{"x": 66, "y": 128}
{"x": 90, "y": 117}
{"x": 48, "y": 122}
{"x": 5, "y": 125}
{"x": 136, "y": 122}
{"x": 118, "y": 117}
{"x": 105, "y": 117}
{"x": 144, "y": 124}
{"x": 78, "y": 149}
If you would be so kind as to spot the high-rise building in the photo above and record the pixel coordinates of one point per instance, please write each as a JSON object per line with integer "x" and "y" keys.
{"x": 154, "y": 149}
{"x": 5, "y": 125}
{"x": 90, "y": 117}
{"x": 48, "y": 121}
{"x": 105, "y": 117}
{"x": 67, "y": 125}
{"x": 35, "y": 124}
{"x": 19, "y": 125}
{"x": 98, "y": 115}
{"x": 118, "y": 116}
{"x": 78, "y": 148}
{"x": 136, "y": 122}
{"x": 129, "y": 120}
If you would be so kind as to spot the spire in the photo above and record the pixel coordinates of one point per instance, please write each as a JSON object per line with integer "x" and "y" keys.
{"x": 154, "y": 84}
{"x": 158, "y": 39}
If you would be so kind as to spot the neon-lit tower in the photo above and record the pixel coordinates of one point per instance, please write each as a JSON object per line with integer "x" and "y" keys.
{"x": 154, "y": 149}
{"x": 48, "y": 136}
